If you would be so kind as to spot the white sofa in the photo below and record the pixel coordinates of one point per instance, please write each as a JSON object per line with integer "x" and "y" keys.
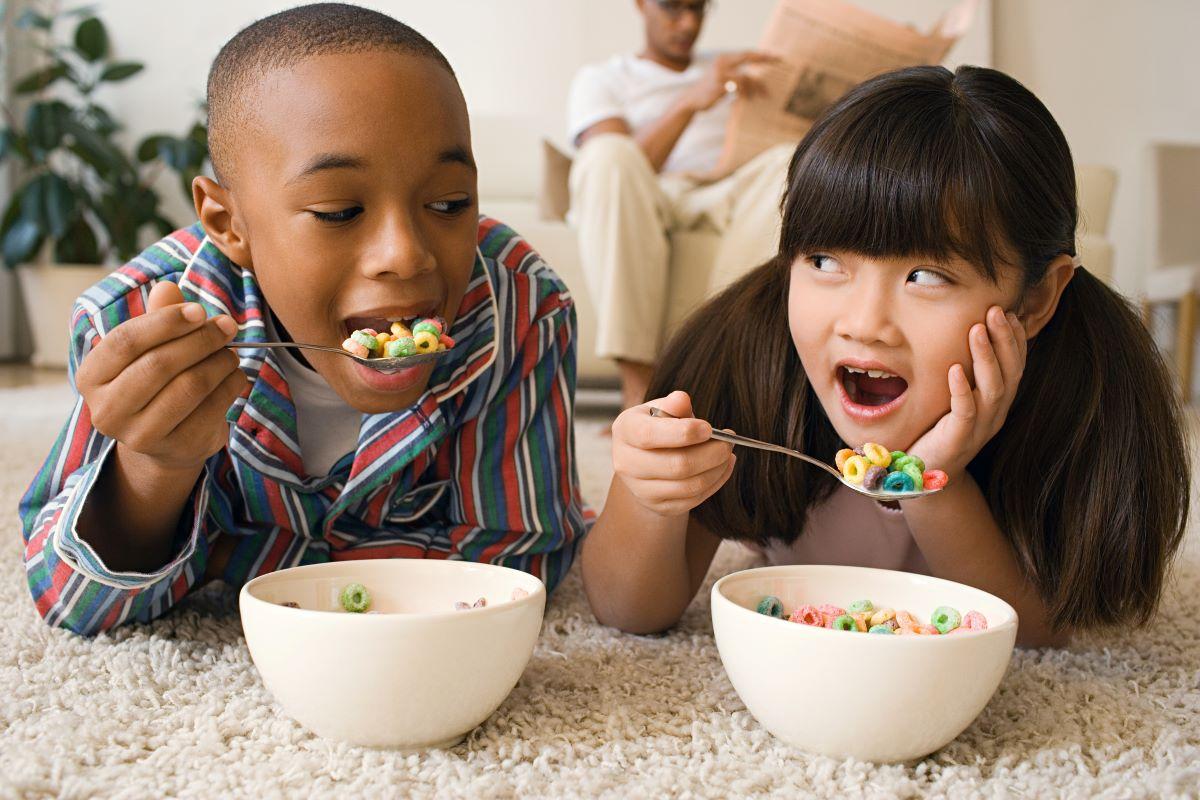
{"x": 509, "y": 153}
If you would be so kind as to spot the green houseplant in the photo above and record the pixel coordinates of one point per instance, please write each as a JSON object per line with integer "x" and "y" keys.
{"x": 79, "y": 197}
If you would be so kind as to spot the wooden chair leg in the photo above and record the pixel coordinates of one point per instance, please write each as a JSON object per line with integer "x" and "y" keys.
{"x": 1185, "y": 333}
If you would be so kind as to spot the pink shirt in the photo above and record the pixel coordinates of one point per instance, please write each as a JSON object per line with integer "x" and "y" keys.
{"x": 853, "y": 530}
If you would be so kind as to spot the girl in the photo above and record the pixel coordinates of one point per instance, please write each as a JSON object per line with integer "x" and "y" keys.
{"x": 925, "y": 296}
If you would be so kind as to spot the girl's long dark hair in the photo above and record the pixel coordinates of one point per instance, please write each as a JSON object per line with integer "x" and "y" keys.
{"x": 1089, "y": 477}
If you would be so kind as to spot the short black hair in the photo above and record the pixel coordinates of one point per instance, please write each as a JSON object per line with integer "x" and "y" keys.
{"x": 286, "y": 38}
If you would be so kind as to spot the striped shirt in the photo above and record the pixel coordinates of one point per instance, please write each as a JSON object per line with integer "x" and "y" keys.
{"x": 480, "y": 468}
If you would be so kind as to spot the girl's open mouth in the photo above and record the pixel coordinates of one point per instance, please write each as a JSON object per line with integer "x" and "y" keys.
{"x": 871, "y": 387}
{"x": 869, "y": 393}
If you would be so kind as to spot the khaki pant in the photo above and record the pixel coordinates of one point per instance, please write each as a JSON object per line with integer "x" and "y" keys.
{"x": 624, "y": 211}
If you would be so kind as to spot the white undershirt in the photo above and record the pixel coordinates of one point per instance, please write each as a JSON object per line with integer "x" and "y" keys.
{"x": 326, "y": 426}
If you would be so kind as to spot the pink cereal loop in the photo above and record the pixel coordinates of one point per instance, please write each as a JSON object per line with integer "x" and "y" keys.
{"x": 356, "y": 349}
{"x": 974, "y": 621}
{"x": 808, "y": 615}
{"x": 829, "y": 613}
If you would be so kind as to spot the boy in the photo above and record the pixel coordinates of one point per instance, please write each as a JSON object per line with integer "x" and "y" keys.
{"x": 345, "y": 198}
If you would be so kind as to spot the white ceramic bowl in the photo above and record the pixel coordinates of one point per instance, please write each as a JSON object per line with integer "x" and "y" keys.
{"x": 867, "y": 696}
{"x": 416, "y": 675}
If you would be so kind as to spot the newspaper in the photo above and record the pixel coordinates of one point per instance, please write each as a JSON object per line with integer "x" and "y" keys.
{"x": 825, "y": 48}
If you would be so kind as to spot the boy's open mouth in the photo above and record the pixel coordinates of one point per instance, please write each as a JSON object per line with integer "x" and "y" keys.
{"x": 870, "y": 387}
{"x": 382, "y": 321}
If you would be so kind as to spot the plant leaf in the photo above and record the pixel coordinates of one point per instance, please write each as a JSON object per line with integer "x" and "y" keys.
{"x": 120, "y": 71}
{"x": 21, "y": 242}
{"x": 91, "y": 39}
{"x": 32, "y": 19}
{"x": 33, "y": 207}
{"x": 11, "y": 215}
{"x": 42, "y": 126}
{"x": 40, "y": 79}
{"x": 148, "y": 149}
{"x": 96, "y": 150}
{"x": 78, "y": 245}
{"x": 60, "y": 205}
{"x": 102, "y": 121}
{"x": 199, "y": 135}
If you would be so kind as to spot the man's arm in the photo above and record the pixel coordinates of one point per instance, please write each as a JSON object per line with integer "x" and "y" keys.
{"x": 659, "y": 138}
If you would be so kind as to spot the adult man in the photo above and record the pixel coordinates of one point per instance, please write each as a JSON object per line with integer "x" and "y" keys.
{"x": 647, "y": 127}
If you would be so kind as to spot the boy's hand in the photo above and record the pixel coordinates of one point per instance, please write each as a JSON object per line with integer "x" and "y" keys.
{"x": 998, "y": 351}
{"x": 669, "y": 465}
{"x": 161, "y": 383}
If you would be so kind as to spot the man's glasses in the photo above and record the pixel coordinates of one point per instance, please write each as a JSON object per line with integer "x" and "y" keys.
{"x": 677, "y": 8}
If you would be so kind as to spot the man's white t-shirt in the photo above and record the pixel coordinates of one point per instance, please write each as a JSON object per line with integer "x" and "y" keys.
{"x": 640, "y": 91}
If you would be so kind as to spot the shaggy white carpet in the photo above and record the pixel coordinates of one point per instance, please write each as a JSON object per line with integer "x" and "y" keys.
{"x": 176, "y": 709}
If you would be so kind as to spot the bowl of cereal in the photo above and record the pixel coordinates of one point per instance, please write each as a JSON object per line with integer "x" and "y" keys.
{"x": 407, "y": 654}
{"x": 863, "y": 663}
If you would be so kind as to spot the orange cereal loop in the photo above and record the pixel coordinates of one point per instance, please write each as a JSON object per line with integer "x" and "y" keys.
{"x": 905, "y": 619}
{"x": 839, "y": 460}
{"x": 860, "y": 622}
{"x": 882, "y": 616}
{"x": 877, "y": 454}
{"x": 855, "y": 469}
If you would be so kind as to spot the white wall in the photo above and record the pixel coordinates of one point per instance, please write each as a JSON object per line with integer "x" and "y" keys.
{"x": 514, "y": 58}
{"x": 1117, "y": 75}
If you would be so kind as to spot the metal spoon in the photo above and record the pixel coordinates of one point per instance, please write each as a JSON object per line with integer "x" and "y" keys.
{"x": 733, "y": 438}
{"x": 378, "y": 364}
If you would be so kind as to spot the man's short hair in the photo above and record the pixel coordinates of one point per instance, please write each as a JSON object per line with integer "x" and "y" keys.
{"x": 284, "y": 39}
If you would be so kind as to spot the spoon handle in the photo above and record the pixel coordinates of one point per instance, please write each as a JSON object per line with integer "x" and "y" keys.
{"x": 257, "y": 345}
{"x": 746, "y": 441}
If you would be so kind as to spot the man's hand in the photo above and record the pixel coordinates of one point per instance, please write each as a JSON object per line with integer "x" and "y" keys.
{"x": 161, "y": 383}
{"x": 726, "y": 71}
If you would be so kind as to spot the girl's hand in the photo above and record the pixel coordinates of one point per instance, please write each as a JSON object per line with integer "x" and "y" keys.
{"x": 998, "y": 350}
{"x": 669, "y": 465}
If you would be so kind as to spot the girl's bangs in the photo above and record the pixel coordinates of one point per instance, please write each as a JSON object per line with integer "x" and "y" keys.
{"x": 895, "y": 182}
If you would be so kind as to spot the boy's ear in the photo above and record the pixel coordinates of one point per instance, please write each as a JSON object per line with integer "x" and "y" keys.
{"x": 217, "y": 213}
{"x": 1041, "y": 301}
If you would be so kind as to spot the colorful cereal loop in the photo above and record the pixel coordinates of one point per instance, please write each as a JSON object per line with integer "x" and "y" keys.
{"x": 877, "y": 454}
{"x": 855, "y": 469}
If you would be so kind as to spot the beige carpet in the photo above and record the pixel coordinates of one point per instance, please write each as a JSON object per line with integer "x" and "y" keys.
{"x": 177, "y": 709}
